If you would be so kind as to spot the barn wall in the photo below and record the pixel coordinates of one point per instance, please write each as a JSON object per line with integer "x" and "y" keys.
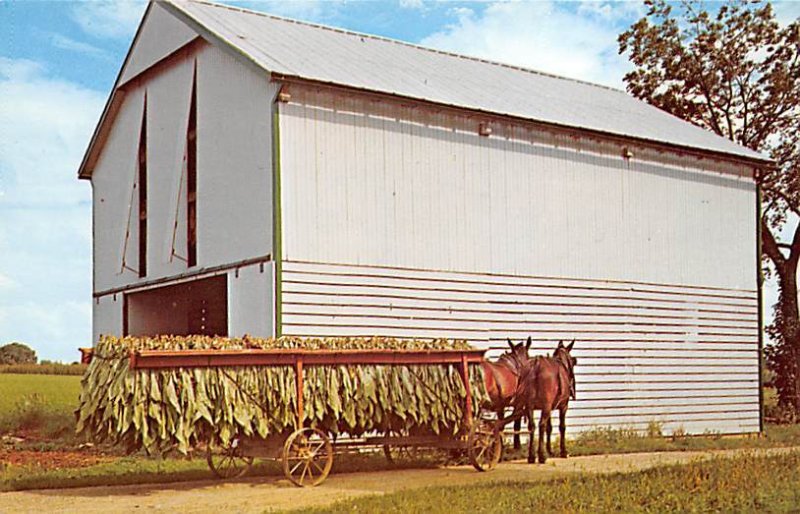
{"x": 234, "y": 175}
{"x": 251, "y": 301}
{"x": 374, "y": 190}
{"x": 405, "y": 223}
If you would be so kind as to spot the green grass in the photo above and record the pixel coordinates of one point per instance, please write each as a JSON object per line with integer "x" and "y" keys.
{"x": 61, "y": 391}
{"x": 610, "y": 440}
{"x": 42, "y": 404}
{"x": 743, "y": 484}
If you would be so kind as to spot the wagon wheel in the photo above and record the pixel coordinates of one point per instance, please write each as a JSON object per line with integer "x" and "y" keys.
{"x": 484, "y": 445}
{"x": 307, "y": 457}
{"x": 228, "y": 462}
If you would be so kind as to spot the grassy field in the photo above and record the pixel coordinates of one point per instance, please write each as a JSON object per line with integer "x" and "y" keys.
{"x": 38, "y": 402}
{"x": 742, "y": 484}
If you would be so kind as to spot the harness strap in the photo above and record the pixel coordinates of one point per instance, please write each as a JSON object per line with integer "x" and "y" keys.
{"x": 497, "y": 382}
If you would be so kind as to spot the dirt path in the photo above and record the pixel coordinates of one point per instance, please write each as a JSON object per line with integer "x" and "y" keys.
{"x": 263, "y": 494}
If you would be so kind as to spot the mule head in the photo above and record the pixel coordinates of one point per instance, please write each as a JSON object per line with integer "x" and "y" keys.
{"x": 517, "y": 356}
{"x": 564, "y": 357}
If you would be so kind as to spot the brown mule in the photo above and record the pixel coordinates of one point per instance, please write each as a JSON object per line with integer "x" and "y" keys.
{"x": 546, "y": 384}
{"x": 502, "y": 379}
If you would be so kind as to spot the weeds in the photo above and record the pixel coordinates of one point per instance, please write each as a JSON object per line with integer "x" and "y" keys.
{"x": 32, "y": 414}
{"x": 45, "y": 368}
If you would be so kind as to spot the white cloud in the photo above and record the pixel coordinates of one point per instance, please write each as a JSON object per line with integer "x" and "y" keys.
{"x": 18, "y": 69}
{"x": 65, "y": 43}
{"x": 6, "y": 283}
{"x": 318, "y": 11}
{"x": 412, "y": 4}
{"x": 545, "y": 36}
{"x": 45, "y": 216}
{"x": 109, "y": 19}
{"x": 611, "y": 11}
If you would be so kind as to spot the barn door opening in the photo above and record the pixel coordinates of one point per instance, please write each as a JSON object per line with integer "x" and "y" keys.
{"x": 199, "y": 307}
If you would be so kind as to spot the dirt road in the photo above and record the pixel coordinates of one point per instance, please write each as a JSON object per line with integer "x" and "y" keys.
{"x": 265, "y": 494}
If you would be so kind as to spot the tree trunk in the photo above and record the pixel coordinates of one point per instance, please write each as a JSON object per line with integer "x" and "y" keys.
{"x": 790, "y": 318}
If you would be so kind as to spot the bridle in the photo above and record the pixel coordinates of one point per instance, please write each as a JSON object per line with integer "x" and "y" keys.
{"x": 565, "y": 361}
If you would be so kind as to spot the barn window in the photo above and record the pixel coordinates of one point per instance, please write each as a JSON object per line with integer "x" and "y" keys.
{"x": 142, "y": 157}
{"x": 191, "y": 178}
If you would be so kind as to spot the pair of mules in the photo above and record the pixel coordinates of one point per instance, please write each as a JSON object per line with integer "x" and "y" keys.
{"x": 527, "y": 384}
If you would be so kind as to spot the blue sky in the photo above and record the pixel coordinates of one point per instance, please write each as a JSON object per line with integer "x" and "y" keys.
{"x": 58, "y": 61}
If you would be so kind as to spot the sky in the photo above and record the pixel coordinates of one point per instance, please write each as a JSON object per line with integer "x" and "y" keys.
{"x": 59, "y": 60}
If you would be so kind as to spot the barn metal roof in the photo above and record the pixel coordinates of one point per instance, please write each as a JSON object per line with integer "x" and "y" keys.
{"x": 336, "y": 56}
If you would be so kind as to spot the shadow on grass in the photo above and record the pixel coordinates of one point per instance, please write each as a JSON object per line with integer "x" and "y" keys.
{"x": 147, "y": 474}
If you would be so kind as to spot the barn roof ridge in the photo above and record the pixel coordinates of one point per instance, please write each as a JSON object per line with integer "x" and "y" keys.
{"x": 386, "y": 39}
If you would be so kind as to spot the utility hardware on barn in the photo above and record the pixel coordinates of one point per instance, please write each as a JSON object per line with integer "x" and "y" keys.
{"x": 262, "y": 176}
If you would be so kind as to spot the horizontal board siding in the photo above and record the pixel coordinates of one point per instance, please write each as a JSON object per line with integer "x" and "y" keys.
{"x": 683, "y": 356}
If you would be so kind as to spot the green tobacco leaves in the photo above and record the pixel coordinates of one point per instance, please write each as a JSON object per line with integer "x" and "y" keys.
{"x": 161, "y": 410}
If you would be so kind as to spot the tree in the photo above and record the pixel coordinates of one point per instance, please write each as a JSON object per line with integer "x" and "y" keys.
{"x": 17, "y": 353}
{"x": 736, "y": 72}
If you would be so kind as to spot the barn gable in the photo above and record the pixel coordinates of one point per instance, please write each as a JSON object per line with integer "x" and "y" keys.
{"x": 160, "y": 35}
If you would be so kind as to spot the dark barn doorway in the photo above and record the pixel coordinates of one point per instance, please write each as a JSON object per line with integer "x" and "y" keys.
{"x": 198, "y": 307}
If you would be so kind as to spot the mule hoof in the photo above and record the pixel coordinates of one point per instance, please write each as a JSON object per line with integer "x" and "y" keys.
{"x": 531, "y": 459}
{"x": 542, "y": 459}
{"x": 564, "y": 455}
{"x": 550, "y": 452}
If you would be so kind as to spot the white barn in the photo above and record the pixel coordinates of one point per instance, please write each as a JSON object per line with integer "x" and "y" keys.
{"x": 258, "y": 175}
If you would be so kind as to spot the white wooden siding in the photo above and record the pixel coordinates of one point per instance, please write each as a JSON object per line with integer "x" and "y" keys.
{"x": 683, "y": 356}
{"x": 399, "y": 221}
{"x": 401, "y": 187}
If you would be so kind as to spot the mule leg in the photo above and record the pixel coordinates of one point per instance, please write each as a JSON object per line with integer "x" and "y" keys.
{"x": 562, "y": 431}
{"x": 531, "y": 436}
{"x": 517, "y": 428}
{"x": 549, "y": 434}
{"x": 543, "y": 420}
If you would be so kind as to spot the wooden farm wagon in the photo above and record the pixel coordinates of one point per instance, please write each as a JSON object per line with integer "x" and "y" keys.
{"x": 306, "y": 452}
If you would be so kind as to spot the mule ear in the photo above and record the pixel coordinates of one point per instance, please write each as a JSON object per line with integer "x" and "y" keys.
{"x": 528, "y": 345}
{"x": 560, "y": 345}
{"x": 510, "y": 343}
{"x": 569, "y": 348}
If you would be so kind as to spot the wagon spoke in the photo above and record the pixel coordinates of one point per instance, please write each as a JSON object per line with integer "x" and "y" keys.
{"x": 321, "y": 471}
{"x": 481, "y": 453}
{"x": 303, "y": 474}
{"x": 296, "y": 466}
